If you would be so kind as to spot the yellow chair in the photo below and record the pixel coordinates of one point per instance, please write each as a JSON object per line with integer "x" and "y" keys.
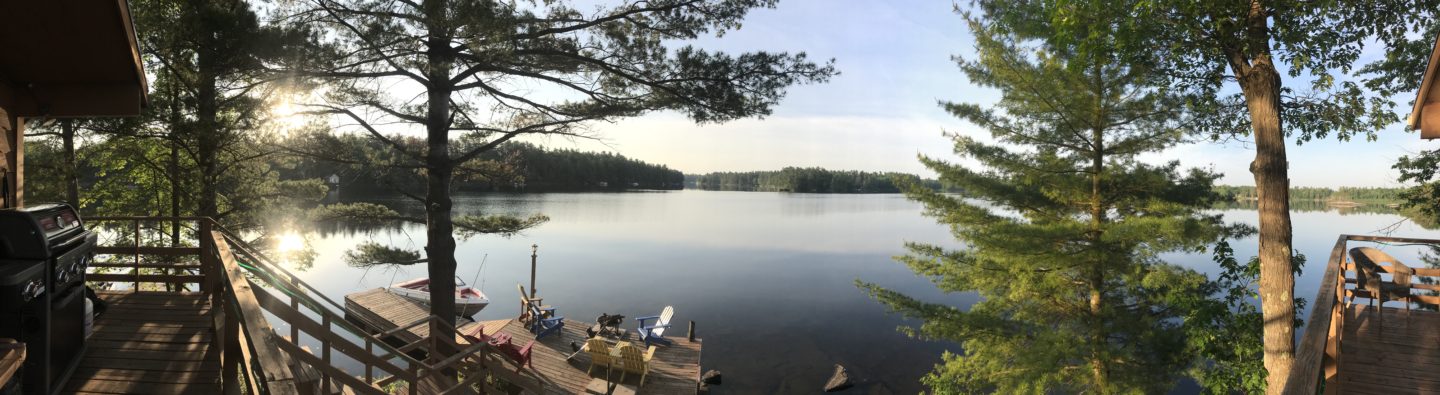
{"x": 632, "y": 361}
{"x": 600, "y": 354}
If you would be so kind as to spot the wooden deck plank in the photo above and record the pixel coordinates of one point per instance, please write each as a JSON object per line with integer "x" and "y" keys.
{"x": 149, "y": 342}
{"x": 145, "y": 375}
{"x": 674, "y": 370}
{"x": 1390, "y": 351}
{"x": 141, "y": 387}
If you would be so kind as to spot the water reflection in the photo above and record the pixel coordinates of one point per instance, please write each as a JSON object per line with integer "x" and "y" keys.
{"x": 767, "y": 277}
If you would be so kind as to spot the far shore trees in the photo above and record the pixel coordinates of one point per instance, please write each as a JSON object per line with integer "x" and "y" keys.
{"x": 1062, "y": 226}
{"x": 470, "y": 75}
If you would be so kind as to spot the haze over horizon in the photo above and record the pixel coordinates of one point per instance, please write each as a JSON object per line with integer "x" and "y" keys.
{"x": 895, "y": 64}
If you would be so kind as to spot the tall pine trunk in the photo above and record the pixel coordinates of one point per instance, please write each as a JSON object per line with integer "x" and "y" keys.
{"x": 1099, "y": 367}
{"x": 440, "y": 235}
{"x": 173, "y": 168}
{"x": 72, "y": 178}
{"x": 207, "y": 133}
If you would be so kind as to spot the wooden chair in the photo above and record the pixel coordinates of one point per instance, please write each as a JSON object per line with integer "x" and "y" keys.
{"x": 632, "y": 361}
{"x": 541, "y": 320}
{"x": 1367, "y": 280}
{"x": 520, "y": 356}
{"x": 529, "y": 305}
{"x": 501, "y": 343}
{"x": 600, "y": 354}
{"x": 655, "y": 333}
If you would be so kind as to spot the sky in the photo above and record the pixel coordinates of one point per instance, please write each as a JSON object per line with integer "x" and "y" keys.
{"x": 882, "y": 110}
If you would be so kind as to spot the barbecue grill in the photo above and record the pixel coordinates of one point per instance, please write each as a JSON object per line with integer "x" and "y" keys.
{"x": 44, "y": 252}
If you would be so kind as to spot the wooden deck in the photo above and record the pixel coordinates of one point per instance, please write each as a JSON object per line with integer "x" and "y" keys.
{"x": 1402, "y": 356}
{"x": 675, "y": 370}
{"x": 152, "y": 344}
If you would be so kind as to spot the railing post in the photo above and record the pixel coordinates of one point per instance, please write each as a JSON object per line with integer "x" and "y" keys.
{"x": 1337, "y": 323}
{"x": 324, "y": 353}
{"x": 233, "y": 358}
{"x": 207, "y": 247}
{"x": 294, "y": 330}
{"x": 369, "y": 368}
{"x": 136, "y": 271}
{"x": 414, "y": 380}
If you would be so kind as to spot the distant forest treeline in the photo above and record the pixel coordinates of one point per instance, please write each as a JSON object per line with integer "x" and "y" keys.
{"x": 1342, "y": 194}
{"x": 515, "y": 166}
{"x": 804, "y": 180}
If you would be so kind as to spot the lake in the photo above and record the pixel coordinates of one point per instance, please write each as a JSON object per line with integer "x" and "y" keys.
{"x": 767, "y": 277}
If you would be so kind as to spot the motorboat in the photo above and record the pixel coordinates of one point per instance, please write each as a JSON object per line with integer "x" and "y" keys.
{"x": 468, "y": 300}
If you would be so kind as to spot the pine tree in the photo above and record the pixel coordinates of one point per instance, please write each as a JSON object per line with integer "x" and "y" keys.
{"x": 1062, "y": 226}
{"x": 497, "y": 71}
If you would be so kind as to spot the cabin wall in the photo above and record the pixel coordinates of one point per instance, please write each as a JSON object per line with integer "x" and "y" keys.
{"x": 12, "y": 148}
{"x": 1430, "y": 120}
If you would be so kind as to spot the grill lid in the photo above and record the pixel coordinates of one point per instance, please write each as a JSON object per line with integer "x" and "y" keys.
{"x": 33, "y": 232}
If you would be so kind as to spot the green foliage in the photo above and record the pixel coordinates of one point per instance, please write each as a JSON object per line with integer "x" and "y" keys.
{"x": 1062, "y": 227}
{"x": 370, "y": 254}
{"x": 1201, "y": 47}
{"x": 512, "y": 166}
{"x": 1421, "y": 202}
{"x": 1225, "y": 331}
{"x": 805, "y": 180}
{"x": 1299, "y": 194}
{"x": 503, "y": 225}
{"x": 358, "y": 214}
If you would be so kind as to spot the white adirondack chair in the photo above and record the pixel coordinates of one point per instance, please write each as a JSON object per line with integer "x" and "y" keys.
{"x": 654, "y": 333}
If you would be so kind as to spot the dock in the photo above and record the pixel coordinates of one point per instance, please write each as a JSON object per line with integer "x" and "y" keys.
{"x": 675, "y": 369}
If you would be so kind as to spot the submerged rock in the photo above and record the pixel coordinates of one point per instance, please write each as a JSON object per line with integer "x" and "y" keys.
{"x": 838, "y": 381}
{"x": 711, "y": 377}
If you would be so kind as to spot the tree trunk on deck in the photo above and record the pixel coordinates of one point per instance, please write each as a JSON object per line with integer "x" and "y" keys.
{"x": 72, "y": 176}
{"x": 440, "y": 235}
{"x": 207, "y": 131}
{"x": 1277, "y": 278}
{"x": 1260, "y": 82}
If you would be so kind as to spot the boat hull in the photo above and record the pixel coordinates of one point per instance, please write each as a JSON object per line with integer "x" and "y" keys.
{"x": 468, "y": 301}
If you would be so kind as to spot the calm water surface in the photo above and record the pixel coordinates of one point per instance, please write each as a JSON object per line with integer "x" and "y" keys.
{"x": 767, "y": 277}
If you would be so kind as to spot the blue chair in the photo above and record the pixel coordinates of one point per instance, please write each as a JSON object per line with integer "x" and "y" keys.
{"x": 543, "y": 321}
{"x": 655, "y": 333}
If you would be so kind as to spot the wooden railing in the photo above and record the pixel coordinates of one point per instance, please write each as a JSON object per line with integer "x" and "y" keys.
{"x": 247, "y": 290}
{"x": 189, "y": 256}
{"x": 310, "y": 313}
{"x": 1317, "y": 360}
{"x": 150, "y": 258}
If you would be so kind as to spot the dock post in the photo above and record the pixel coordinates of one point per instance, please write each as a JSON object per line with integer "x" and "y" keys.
{"x": 533, "y": 249}
{"x": 690, "y": 334}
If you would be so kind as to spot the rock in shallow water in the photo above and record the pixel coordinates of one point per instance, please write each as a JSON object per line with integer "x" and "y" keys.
{"x": 838, "y": 381}
{"x": 711, "y": 377}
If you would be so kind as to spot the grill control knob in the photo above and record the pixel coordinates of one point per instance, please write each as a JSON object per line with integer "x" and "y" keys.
{"x": 33, "y": 289}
